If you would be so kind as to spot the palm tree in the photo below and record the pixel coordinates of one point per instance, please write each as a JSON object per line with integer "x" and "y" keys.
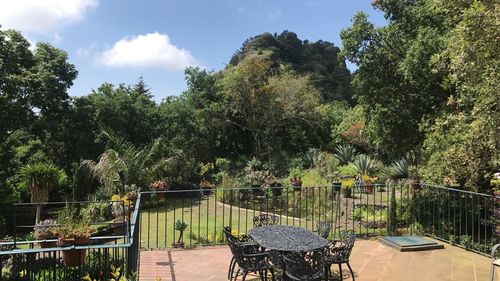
{"x": 40, "y": 179}
{"x": 124, "y": 164}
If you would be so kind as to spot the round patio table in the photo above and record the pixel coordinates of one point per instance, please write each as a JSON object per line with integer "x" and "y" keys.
{"x": 286, "y": 238}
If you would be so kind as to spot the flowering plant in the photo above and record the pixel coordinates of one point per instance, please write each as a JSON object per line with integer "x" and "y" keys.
{"x": 158, "y": 185}
{"x": 45, "y": 228}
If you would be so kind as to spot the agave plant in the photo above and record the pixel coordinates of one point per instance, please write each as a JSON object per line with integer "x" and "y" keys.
{"x": 400, "y": 168}
{"x": 345, "y": 153}
{"x": 365, "y": 165}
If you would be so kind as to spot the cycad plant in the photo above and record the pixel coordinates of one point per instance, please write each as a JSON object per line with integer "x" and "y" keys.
{"x": 122, "y": 164}
{"x": 345, "y": 153}
{"x": 365, "y": 165}
{"x": 40, "y": 179}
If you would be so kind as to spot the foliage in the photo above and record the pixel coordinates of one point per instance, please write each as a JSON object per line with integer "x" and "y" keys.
{"x": 319, "y": 59}
{"x": 124, "y": 164}
{"x": 181, "y": 227}
{"x": 392, "y": 220}
{"x": 72, "y": 224}
{"x": 365, "y": 165}
{"x": 348, "y": 183}
{"x": 45, "y": 228}
{"x": 400, "y": 168}
{"x": 345, "y": 153}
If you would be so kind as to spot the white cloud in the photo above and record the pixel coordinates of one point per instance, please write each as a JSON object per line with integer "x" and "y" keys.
{"x": 152, "y": 50}
{"x": 86, "y": 52}
{"x": 42, "y": 16}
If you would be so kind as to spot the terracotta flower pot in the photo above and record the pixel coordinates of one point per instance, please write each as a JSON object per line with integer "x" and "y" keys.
{"x": 347, "y": 192}
{"x": 369, "y": 187}
{"x": 73, "y": 258}
{"x": 51, "y": 244}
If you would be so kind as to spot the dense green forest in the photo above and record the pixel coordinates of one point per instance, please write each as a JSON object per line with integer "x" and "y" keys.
{"x": 425, "y": 91}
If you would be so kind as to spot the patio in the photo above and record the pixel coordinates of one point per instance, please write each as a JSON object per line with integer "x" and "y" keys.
{"x": 370, "y": 259}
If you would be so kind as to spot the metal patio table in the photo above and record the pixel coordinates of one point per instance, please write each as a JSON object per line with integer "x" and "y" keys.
{"x": 284, "y": 238}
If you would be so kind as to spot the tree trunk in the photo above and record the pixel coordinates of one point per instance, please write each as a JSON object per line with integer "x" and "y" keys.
{"x": 38, "y": 213}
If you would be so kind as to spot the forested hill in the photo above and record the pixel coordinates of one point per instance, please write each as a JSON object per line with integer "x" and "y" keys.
{"x": 319, "y": 59}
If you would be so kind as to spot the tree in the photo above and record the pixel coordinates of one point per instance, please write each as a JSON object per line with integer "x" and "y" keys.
{"x": 396, "y": 82}
{"x": 33, "y": 92}
{"x": 40, "y": 179}
{"x": 123, "y": 164}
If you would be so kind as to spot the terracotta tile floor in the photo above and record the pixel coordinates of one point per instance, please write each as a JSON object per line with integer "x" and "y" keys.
{"x": 370, "y": 260}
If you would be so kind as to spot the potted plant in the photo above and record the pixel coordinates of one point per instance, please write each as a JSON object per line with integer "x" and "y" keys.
{"x": 206, "y": 187}
{"x": 368, "y": 182}
{"x": 75, "y": 234}
{"x": 44, "y": 230}
{"x": 296, "y": 183}
{"x": 336, "y": 181}
{"x": 346, "y": 186}
{"x": 180, "y": 226}
{"x": 157, "y": 187}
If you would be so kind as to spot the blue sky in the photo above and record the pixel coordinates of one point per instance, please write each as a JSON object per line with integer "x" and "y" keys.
{"x": 117, "y": 41}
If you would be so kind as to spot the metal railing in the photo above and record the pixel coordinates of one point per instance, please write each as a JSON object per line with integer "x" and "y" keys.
{"x": 24, "y": 260}
{"x": 463, "y": 218}
{"x": 455, "y": 216}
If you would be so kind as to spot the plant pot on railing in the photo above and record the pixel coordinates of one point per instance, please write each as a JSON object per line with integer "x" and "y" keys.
{"x": 44, "y": 230}
{"x": 118, "y": 227}
{"x": 369, "y": 187}
{"x": 336, "y": 187}
{"x": 347, "y": 192}
{"x": 73, "y": 258}
{"x": 46, "y": 244}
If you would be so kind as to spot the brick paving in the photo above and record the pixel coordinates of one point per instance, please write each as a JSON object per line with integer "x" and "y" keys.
{"x": 371, "y": 261}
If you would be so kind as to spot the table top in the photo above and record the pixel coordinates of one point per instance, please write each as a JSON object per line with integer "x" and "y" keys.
{"x": 287, "y": 238}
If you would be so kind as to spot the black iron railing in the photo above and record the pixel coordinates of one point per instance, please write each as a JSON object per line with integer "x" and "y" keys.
{"x": 464, "y": 218}
{"x": 456, "y": 216}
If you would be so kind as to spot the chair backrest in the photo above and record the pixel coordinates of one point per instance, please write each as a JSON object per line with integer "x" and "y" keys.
{"x": 304, "y": 266}
{"x": 265, "y": 219}
{"x": 341, "y": 253}
{"x": 324, "y": 228}
{"x": 241, "y": 246}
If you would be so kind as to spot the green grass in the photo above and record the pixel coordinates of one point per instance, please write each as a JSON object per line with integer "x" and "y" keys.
{"x": 205, "y": 220}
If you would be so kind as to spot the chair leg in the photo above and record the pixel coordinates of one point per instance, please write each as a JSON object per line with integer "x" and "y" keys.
{"x": 272, "y": 274}
{"x": 340, "y": 272}
{"x": 235, "y": 275}
{"x": 229, "y": 273}
{"x": 232, "y": 270}
{"x": 244, "y": 276}
{"x": 352, "y": 273}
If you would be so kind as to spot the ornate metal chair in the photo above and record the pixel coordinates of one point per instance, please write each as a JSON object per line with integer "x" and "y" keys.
{"x": 247, "y": 255}
{"x": 339, "y": 251}
{"x": 324, "y": 228}
{"x": 265, "y": 219}
{"x": 308, "y": 266}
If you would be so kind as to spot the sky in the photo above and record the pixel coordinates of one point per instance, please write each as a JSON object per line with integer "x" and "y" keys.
{"x": 117, "y": 41}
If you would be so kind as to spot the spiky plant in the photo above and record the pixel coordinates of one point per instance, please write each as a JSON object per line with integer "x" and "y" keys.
{"x": 365, "y": 165}
{"x": 345, "y": 153}
{"x": 180, "y": 226}
{"x": 400, "y": 168}
{"x": 40, "y": 179}
{"x": 124, "y": 164}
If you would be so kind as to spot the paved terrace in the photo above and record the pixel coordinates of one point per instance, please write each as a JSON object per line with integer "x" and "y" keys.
{"x": 370, "y": 260}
